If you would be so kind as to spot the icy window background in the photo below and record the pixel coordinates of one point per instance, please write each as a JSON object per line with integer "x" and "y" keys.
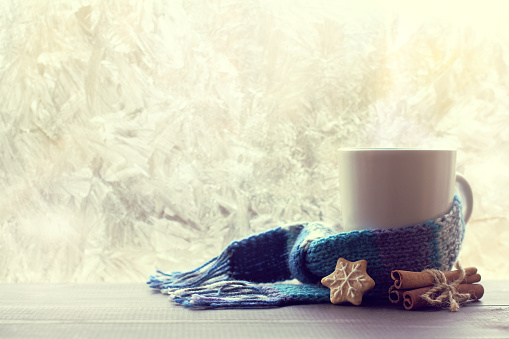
{"x": 137, "y": 135}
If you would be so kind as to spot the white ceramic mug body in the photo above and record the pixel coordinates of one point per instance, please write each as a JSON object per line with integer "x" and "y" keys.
{"x": 389, "y": 188}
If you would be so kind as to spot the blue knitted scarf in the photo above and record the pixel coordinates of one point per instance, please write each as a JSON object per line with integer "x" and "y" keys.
{"x": 255, "y": 271}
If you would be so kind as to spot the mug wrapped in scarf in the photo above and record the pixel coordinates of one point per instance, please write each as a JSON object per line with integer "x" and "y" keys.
{"x": 253, "y": 272}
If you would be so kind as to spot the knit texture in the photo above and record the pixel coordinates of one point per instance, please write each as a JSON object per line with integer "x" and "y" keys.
{"x": 250, "y": 272}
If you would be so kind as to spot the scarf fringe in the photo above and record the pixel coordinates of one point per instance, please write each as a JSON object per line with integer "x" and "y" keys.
{"x": 214, "y": 270}
{"x": 230, "y": 293}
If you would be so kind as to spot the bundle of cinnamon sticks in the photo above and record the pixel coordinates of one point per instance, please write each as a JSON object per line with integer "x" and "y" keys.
{"x": 410, "y": 287}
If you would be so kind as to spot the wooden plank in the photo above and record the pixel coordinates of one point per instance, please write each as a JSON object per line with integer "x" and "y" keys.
{"x": 132, "y": 310}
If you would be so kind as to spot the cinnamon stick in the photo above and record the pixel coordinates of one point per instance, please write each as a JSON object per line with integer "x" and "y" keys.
{"x": 411, "y": 280}
{"x": 412, "y": 298}
{"x": 395, "y": 295}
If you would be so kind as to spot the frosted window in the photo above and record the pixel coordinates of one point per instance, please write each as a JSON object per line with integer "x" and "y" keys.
{"x": 142, "y": 135}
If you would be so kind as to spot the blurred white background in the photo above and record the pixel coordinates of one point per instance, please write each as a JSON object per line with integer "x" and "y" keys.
{"x": 137, "y": 135}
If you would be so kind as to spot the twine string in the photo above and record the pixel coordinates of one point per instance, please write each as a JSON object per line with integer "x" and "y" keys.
{"x": 445, "y": 294}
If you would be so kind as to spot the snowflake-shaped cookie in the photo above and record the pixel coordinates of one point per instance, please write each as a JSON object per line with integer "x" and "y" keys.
{"x": 348, "y": 282}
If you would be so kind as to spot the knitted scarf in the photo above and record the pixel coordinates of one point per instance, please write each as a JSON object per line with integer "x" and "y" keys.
{"x": 255, "y": 271}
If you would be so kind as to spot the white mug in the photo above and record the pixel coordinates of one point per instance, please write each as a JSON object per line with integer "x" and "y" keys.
{"x": 397, "y": 187}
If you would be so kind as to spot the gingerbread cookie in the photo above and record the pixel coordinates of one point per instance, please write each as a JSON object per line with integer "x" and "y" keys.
{"x": 348, "y": 282}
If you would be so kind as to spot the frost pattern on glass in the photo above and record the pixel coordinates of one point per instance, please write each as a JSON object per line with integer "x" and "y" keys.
{"x": 137, "y": 136}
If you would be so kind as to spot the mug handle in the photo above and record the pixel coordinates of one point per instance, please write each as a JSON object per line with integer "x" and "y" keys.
{"x": 466, "y": 193}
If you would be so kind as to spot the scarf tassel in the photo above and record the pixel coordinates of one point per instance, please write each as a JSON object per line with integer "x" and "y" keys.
{"x": 228, "y": 294}
{"x": 214, "y": 270}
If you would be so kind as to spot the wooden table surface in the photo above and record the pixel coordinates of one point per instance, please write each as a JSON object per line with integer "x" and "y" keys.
{"x": 134, "y": 311}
